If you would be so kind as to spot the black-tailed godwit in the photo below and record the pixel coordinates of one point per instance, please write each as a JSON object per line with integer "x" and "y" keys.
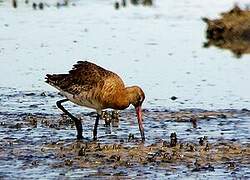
{"x": 94, "y": 87}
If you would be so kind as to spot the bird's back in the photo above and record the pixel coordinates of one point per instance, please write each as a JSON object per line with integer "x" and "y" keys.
{"x": 87, "y": 84}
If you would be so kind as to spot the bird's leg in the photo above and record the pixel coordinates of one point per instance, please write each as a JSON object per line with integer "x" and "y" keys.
{"x": 95, "y": 127}
{"x": 77, "y": 121}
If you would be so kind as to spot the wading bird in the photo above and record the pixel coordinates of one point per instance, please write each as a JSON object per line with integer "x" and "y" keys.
{"x": 94, "y": 87}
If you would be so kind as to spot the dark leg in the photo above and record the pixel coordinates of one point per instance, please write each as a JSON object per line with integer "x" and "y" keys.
{"x": 142, "y": 132}
{"x": 77, "y": 121}
{"x": 95, "y": 127}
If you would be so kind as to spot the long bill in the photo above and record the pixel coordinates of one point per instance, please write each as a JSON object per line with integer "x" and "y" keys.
{"x": 139, "y": 117}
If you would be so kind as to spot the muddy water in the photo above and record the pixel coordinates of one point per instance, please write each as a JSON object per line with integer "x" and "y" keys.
{"x": 216, "y": 145}
{"x": 158, "y": 47}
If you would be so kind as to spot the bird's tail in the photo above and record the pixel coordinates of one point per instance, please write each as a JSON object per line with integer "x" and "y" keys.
{"x": 54, "y": 79}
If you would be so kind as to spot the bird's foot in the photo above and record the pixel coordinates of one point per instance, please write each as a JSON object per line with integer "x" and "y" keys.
{"x": 79, "y": 137}
{"x": 94, "y": 138}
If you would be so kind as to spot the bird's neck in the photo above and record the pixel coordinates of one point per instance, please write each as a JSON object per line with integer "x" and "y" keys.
{"x": 124, "y": 98}
{"x": 130, "y": 93}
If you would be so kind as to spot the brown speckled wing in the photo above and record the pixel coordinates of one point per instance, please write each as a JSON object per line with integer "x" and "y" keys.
{"x": 84, "y": 76}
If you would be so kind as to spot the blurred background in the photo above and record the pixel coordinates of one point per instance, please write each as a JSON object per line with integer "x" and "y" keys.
{"x": 156, "y": 44}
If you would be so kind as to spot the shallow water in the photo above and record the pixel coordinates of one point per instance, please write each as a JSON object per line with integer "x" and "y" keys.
{"x": 158, "y": 47}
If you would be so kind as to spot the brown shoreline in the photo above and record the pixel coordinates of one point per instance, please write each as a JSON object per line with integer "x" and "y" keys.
{"x": 231, "y": 31}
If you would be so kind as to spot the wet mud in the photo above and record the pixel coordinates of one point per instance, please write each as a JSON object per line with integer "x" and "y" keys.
{"x": 231, "y": 31}
{"x": 211, "y": 143}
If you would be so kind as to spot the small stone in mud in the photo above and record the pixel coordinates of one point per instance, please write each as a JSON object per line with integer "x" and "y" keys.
{"x": 231, "y": 165}
{"x": 115, "y": 115}
{"x": 173, "y": 139}
{"x": 34, "y": 163}
{"x": 191, "y": 148}
{"x": 115, "y": 158}
{"x": 81, "y": 152}
{"x": 10, "y": 143}
{"x": 151, "y": 158}
{"x": 223, "y": 116}
{"x": 43, "y": 94}
{"x": 51, "y": 95}
{"x": 107, "y": 117}
{"x": 207, "y": 147}
{"x": 16, "y": 126}
{"x": 105, "y": 147}
{"x": 131, "y": 137}
{"x": 233, "y": 140}
{"x": 53, "y": 126}
{"x": 116, "y": 146}
{"x": 173, "y": 98}
{"x": 32, "y": 121}
{"x": 115, "y": 119}
{"x": 29, "y": 94}
{"x": 197, "y": 166}
{"x": 68, "y": 162}
{"x": 245, "y": 110}
{"x": 166, "y": 158}
{"x": 188, "y": 130}
{"x": 164, "y": 144}
{"x": 33, "y": 106}
{"x": 121, "y": 173}
{"x": 202, "y": 140}
{"x": 107, "y": 122}
{"x": 98, "y": 147}
{"x": 209, "y": 167}
{"x": 194, "y": 121}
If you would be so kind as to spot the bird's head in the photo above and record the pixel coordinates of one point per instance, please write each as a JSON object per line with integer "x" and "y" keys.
{"x": 136, "y": 96}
